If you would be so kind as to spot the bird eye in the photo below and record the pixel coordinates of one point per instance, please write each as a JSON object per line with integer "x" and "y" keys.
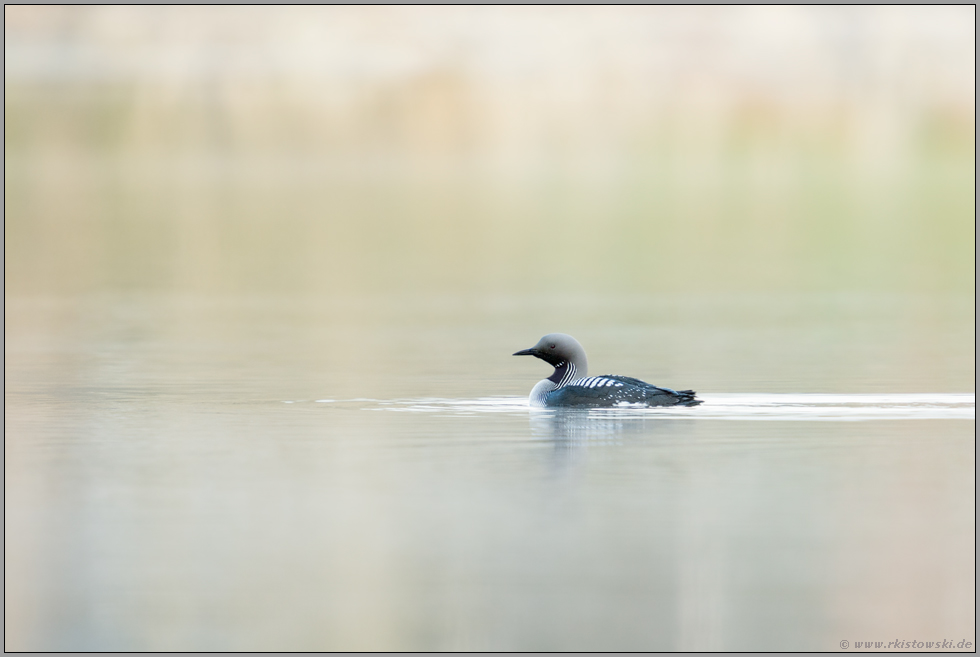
{"x": 552, "y": 346}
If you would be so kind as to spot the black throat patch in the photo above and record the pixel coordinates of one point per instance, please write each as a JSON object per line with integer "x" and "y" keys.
{"x": 561, "y": 369}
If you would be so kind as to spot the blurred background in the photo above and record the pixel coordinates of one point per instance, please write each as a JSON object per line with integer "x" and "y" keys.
{"x": 237, "y": 238}
{"x": 489, "y": 149}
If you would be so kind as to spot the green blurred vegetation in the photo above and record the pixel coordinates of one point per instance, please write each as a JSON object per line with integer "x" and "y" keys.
{"x": 438, "y": 180}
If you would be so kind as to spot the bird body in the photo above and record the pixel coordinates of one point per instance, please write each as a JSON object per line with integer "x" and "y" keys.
{"x": 571, "y": 386}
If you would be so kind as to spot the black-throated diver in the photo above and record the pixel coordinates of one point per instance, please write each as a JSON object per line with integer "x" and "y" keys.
{"x": 571, "y": 385}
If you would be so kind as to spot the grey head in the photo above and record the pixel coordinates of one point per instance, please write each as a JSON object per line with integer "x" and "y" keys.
{"x": 564, "y": 353}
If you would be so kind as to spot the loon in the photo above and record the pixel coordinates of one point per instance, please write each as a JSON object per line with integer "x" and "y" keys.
{"x": 571, "y": 385}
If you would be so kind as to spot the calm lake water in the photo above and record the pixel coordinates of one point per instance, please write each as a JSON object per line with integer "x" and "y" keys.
{"x": 363, "y": 473}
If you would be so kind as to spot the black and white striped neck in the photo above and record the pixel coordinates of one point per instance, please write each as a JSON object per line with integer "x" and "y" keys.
{"x": 563, "y": 375}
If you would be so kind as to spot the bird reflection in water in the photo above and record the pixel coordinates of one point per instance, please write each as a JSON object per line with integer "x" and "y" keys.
{"x": 583, "y": 427}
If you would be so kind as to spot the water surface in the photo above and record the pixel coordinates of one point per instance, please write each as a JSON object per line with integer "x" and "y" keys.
{"x": 311, "y": 474}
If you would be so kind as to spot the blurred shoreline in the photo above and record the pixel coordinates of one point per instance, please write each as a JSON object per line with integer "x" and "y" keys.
{"x": 365, "y": 149}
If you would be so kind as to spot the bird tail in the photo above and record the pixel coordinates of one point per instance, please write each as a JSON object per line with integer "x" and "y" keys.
{"x": 687, "y": 398}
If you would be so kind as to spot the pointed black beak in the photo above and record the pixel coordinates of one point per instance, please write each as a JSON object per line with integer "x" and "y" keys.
{"x": 527, "y": 352}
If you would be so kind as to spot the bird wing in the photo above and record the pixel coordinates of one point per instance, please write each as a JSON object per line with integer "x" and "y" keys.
{"x": 612, "y": 390}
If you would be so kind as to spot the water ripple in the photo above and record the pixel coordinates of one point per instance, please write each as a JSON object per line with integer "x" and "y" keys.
{"x": 717, "y": 406}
